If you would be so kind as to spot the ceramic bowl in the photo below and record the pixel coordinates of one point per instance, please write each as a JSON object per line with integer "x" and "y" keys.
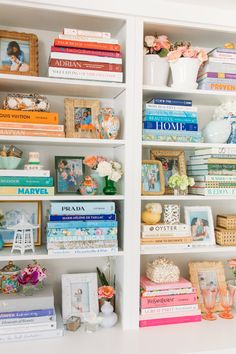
{"x": 217, "y": 131}
{"x": 9, "y": 162}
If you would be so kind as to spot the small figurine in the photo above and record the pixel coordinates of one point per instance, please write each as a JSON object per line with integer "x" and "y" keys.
{"x": 152, "y": 213}
{"x": 33, "y": 162}
{"x": 88, "y": 186}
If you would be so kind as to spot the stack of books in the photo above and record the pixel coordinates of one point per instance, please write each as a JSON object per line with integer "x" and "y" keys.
{"x": 88, "y": 55}
{"x": 167, "y": 303}
{"x": 171, "y": 120}
{"x": 165, "y": 236}
{"x": 219, "y": 72}
{"x": 30, "y": 123}
{"x": 28, "y": 317}
{"x": 81, "y": 227}
{"x": 214, "y": 171}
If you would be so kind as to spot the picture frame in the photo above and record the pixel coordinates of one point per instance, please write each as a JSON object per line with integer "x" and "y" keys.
{"x": 69, "y": 171}
{"x": 173, "y": 161}
{"x": 208, "y": 275}
{"x": 200, "y": 219}
{"x": 152, "y": 178}
{"x": 79, "y": 295}
{"x": 80, "y": 116}
{"x": 18, "y": 53}
{"x": 13, "y": 212}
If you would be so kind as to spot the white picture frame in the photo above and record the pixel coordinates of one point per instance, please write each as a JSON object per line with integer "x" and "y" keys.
{"x": 200, "y": 220}
{"x": 79, "y": 295}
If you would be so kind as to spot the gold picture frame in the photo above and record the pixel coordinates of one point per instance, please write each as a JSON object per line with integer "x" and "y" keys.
{"x": 80, "y": 118}
{"x": 151, "y": 184}
{"x": 38, "y": 209}
{"x": 18, "y": 53}
{"x": 170, "y": 155}
{"x": 211, "y": 274}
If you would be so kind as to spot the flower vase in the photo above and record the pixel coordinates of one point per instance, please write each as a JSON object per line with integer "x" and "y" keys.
{"x": 28, "y": 289}
{"x": 232, "y": 284}
{"x": 109, "y": 317}
{"x": 109, "y": 188}
{"x": 184, "y": 73}
{"x": 99, "y": 180}
{"x": 155, "y": 70}
{"x": 178, "y": 191}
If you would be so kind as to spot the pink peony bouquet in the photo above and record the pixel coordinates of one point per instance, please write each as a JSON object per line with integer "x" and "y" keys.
{"x": 106, "y": 292}
{"x": 32, "y": 274}
{"x": 183, "y": 49}
{"x": 93, "y": 161}
{"x": 232, "y": 265}
{"x": 159, "y": 45}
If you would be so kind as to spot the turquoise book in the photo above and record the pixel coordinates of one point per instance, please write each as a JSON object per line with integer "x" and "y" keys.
{"x": 82, "y": 232}
{"x": 26, "y": 181}
{"x": 81, "y": 224}
{"x": 165, "y": 119}
{"x": 108, "y": 237}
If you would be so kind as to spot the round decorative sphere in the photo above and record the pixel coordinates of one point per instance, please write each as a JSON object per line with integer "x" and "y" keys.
{"x": 217, "y": 131}
{"x": 152, "y": 213}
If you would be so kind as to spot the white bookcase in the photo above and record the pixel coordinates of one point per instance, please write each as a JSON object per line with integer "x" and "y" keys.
{"x": 127, "y": 99}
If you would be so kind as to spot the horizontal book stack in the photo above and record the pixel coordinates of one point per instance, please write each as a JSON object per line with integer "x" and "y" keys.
{"x": 165, "y": 236}
{"x": 219, "y": 72}
{"x": 81, "y": 227}
{"x": 28, "y": 317}
{"x": 167, "y": 303}
{"x": 214, "y": 171}
{"x": 171, "y": 120}
{"x": 87, "y": 55}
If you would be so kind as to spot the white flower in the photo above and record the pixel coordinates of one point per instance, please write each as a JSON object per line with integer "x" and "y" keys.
{"x": 104, "y": 169}
{"x": 116, "y": 165}
{"x": 115, "y": 176}
{"x": 149, "y": 40}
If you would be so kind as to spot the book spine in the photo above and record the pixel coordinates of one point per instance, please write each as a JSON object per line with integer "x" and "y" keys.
{"x": 73, "y": 37}
{"x": 85, "y": 65}
{"x": 28, "y": 117}
{"x": 82, "y": 208}
{"x": 215, "y": 184}
{"x": 220, "y": 61}
{"x": 26, "y": 181}
{"x": 86, "y": 52}
{"x": 216, "y": 75}
{"x": 85, "y": 74}
{"x": 170, "y": 309}
{"x": 171, "y": 300}
{"x": 78, "y": 32}
{"x": 28, "y": 327}
{"x": 210, "y": 161}
{"x": 167, "y": 240}
{"x": 173, "y": 133}
{"x": 154, "y": 135}
{"x": 73, "y": 251}
{"x": 165, "y": 228}
{"x": 25, "y": 173}
{"x": 217, "y": 178}
{"x": 217, "y": 86}
{"x": 70, "y": 225}
{"x": 165, "y": 119}
{"x": 213, "y": 156}
{"x": 170, "y": 126}
{"x": 26, "y": 321}
{"x": 31, "y": 126}
{"x": 211, "y": 173}
{"x": 223, "y": 50}
{"x": 22, "y": 132}
{"x": 190, "y": 112}
{"x": 171, "y": 320}
{"x": 169, "y": 292}
{"x": 222, "y": 55}
{"x": 26, "y": 314}
{"x": 166, "y": 246}
{"x": 29, "y": 336}
{"x": 155, "y": 108}
{"x": 85, "y": 58}
{"x": 153, "y": 234}
{"x": 82, "y": 245}
{"x": 86, "y": 45}
{"x": 213, "y": 191}
{"x": 174, "y": 102}
{"x": 107, "y": 237}
{"x": 82, "y": 217}
{"x": 82, "y": 231}
{"x": 27, "y": 190}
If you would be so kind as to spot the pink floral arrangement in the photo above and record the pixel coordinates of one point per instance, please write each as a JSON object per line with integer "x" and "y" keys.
{"x": 106, "y": 292}
{"x": 32, "y": 274}
{"x": 93, "y": 161}
{"x": 104, "y": 167}
{"x": 183, "y": 49}
{"x": 159, "y": 45}
{"x": 232, "y": 265}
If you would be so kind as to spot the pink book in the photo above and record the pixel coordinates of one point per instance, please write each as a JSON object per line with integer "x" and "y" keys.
{"x": 99, "y": 53}
{"x": 149, "y": 285}
{"x": 168, "y": 300}
{"x": 170, "y": 320}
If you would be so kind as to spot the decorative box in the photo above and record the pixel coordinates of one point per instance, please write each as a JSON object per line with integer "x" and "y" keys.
{"x": 225, "y": 237}
{"x": 226, "y": 221}
{"x": 162, "y": 270}
{"x": 26, "y": 102}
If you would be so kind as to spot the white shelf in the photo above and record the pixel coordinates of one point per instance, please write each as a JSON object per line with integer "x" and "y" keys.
{"x": 195, "y": 249}
{"x": 74, "y": 197}
{"x": 186, "y": 146}
{"x": 187, "y": 197}
{"x": 60, "y": 87}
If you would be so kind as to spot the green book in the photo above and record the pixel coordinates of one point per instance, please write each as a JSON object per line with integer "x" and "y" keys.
{"x": 26, "y": 181}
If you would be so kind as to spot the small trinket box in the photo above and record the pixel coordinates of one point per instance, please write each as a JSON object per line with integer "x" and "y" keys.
{"x": 73, "y": 323}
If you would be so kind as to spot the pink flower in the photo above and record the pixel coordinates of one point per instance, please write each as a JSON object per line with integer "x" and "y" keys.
{"x": 174, "y": 55}
{"x": 106, "y": 292}
{"x": 232, "y": 263}
{"x": 157, "y": 46}
{"x": 163, "y": 40}
{"x": 190, "y": 53}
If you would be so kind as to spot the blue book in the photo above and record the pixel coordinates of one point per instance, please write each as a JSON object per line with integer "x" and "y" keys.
{"x": 109, "y": 237}
{"x": 172, "y": 132}
{"x": 81, "y": 224}
{"x": 170, "y": 126}
{"x": 26, "y": 314}
{"x": 82, "y": 232}
{"x": 82, "y": 208}
{"x": 175, "y": 102}
{"x": 13, "y": 181}
{"x": 81, "y": 217}
{"x": 169, "y": 113}
{"x": 151, "y": 118}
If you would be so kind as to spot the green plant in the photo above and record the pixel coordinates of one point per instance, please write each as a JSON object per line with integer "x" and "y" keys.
{"x": 180, "y": 182}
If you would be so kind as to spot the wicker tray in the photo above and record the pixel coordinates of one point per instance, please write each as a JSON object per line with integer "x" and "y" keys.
{"x": 226, "y": 221}
{"x": 225, "y": 237}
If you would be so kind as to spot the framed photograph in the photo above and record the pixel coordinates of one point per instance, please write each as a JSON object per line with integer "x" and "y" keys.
{"x": 80, "y": 116}
{"x": 201, "y": 222}
{"x": 69, "y": 173}
{"x": 18, "y": 53}
{"x": 173, "y": 161}
{"x": 152, "y": 178}
{"x": 207, "y": 275}
{"x": 79, "y": 295}
{"x": 13, "y": 212}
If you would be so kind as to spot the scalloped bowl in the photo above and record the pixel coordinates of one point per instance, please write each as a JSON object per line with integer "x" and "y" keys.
{"x": 9, "y": 162}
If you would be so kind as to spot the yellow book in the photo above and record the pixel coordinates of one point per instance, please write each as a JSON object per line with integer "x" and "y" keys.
{"x": 38, "y": 191}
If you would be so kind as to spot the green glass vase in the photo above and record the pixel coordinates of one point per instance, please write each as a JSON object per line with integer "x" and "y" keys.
{"x": 109, "y": 188}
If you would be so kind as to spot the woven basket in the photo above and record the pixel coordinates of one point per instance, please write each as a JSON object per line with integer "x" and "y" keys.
{"x": 226, "y": 221}
{"x": 225, "y": 237}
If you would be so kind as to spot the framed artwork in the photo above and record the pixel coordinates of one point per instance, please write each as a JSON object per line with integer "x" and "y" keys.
{"x": 152, "y": 178}
{"x": 200, "y": 219}
{"x": 80, "y": 117}
{"x": 173, "y": 161}
{"x": 13, "y": 212}
{"x": 79, "y": 295}
{"x": 69, "y": 173}
{"x": 18, "y": 53}
{"x": 207, "y": 275}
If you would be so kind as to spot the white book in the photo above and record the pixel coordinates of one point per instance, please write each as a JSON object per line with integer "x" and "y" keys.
{"x": 71, "y": 37}
{"x": 154, "y": 235}
{"x": 85, "y": 74}
{"x": 212, "y": 151}
{"x": 153, "y": 316}
{"x": 82, "y": 57}
{"x": 215, "y": 178}
{"x": 170, "y": 107}
{"x": 25, "y": 328}
{"x": 79, "y": 32}
{"x": 165, "y": 246}
{"x": 25, "y": 173}
{"x": 169, "y": 309}
{"x": 27, "y": 320}
{"x": 77, "y": 251}
{"x": 212, "y": 191}
{"x": 165, "y": 229}
{"x": 167, "y": 292}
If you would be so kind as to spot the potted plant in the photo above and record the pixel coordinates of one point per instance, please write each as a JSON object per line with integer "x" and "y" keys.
{"x": 155, "y": 63}
{"x": 180, "y": 184}
{"x": 184, "y": 64}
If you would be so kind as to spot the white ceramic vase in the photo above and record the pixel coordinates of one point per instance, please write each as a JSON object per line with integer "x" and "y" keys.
{"x": 184, "y": 73}
{"x": 155, "y": 70}
{"x": 217, "y": 131}
{"x": 109, "y": 318}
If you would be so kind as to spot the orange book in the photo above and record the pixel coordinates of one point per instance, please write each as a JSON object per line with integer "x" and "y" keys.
{"x": 7, "y": 115}
{"x": 86, "y": 45}
{"x": 22, "y": 132}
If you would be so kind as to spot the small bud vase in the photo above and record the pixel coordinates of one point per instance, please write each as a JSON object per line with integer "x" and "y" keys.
{"x": 109, "y": 188}
{"x": 109, "y": 317}
{"x": 178, "y": 191}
